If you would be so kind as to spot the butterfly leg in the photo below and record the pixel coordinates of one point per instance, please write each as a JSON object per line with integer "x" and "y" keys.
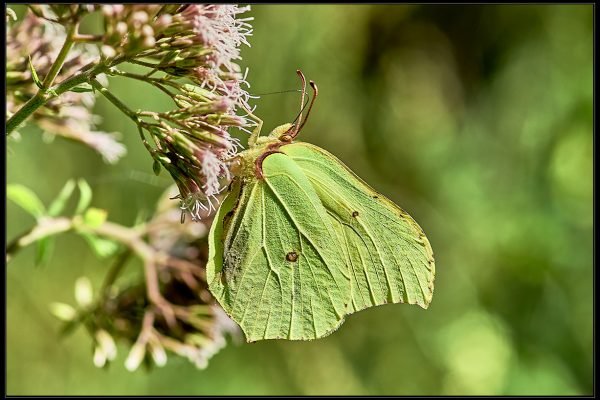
{"x": 256, "y": 132}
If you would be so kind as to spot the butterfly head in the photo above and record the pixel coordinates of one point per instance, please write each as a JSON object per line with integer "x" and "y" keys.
{"x": 282, "y": 132}
{"x": 251, "y": 159}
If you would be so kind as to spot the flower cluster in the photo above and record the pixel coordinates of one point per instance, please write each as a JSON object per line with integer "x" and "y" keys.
{"x": 185, "y": 320}
{"x": 191, "y": 52}
{"x": 37, "y": 41}
{"x": 200, "y": 43}
{"x": 193, "y": 144}
{"x": 130, "y": 29}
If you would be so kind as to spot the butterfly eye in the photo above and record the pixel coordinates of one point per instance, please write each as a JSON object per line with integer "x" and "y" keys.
{"x": 285, "y": 138}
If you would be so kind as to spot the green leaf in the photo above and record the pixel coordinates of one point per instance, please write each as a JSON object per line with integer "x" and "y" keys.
{"x": 297, "y": 249}
{"x": 44, "y": 250}
{"x": 58, "y": 205}
{"x": 94, "y": 217}
{"x": 103, "y": 248}
{"x": 156, "y": 167}
{"x": 34, "y": 75}
{"x": 85, "y": 196}
{"x": 83, "y": 88}
{"x": 26, "y": 199}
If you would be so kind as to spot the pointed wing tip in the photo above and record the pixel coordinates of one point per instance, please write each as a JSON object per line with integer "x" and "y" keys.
{"x": 425, "y": 301}
{"x": 425, "y": 305}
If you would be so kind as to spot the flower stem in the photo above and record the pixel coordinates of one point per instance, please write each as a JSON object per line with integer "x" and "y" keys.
{"x": 61, "y": 58}
{"x": 116, "y": 102}
{"x": 46, "y": 227}
{"x": 83, "y": 38}
{"x": 143, "y": 63}
{"x": 24, "y": 112}
{"x": 126, "y": 236}
{"x": 87, "y": 73}
{"x": 114, "y": 271}
{"x": 150, "y": 257}
{"x": 41, "y": 98}
{"x": 158, "y": 83}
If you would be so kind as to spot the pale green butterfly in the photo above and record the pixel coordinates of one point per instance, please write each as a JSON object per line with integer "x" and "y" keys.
{"x": 301, "y": 241}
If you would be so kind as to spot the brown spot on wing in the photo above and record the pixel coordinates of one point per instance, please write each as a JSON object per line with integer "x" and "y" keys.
{"x": 292, "y": 256}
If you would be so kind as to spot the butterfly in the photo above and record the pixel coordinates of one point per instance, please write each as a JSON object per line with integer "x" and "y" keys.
{"x": 300, "y": 241}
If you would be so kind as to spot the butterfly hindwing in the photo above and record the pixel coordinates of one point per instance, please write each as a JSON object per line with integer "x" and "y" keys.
{"x": 274, "y": 263}
{"x": 388, "y": 256}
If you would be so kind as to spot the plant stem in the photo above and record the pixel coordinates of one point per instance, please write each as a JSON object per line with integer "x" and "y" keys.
{"x": 130, "y": 237}
{"x": 61, "y": 58}
{"x": 118, "y": 103}
{"x": 44, "y": 95}
{"x": 144, "y": 78}
{"x": 114, "y": 272}
{"x": 143, "y": 63}
{"x": 46, "y": 227}
{"x": 84, "y": 38}
{"x": 24, "y": 112}
{"x": 150, "y": 257}
{"x": 75, "y": 80}
{"x": 127, "y": 236}
{"x": 41, "y": 98}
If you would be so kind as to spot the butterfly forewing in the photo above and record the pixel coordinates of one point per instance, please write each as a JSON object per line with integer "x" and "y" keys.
{"x": 389, "y": 259}
{"x": 278, "y": 270}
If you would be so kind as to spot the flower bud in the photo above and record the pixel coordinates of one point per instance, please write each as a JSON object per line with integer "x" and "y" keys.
{"x": 108, "y": 51}
{"x": 121, "y": 28}
{"x": 158, "y": 353}
{"x": 163, "y": 21}
{"x": 83, "y": 291}
{"x": 99, "y": 358}
{"x": 148, "y": 42}
{"x": 136, "y": 356}
{"x": 139, "y": 18}
{"x": 63, "y": 311}
{"x": 107, "y": 344}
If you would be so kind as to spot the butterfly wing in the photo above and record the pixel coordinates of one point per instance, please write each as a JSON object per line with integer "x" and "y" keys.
{"x": 389, "y": 257}
{"x": 274, "y": 264}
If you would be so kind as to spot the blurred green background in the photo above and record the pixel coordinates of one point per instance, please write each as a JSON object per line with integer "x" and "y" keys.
{"x": 475, "y": 119}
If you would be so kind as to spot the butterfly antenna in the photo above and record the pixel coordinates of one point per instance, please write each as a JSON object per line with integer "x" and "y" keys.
{"x": 281, "y": 91}
{"x": 315, "y": 89}
{"x": 301, "y": 111}
{"x": 297, "y": 125}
